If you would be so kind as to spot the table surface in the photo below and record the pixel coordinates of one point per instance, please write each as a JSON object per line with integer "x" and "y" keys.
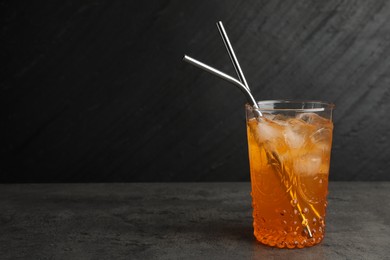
{"x": 177, "y": 221}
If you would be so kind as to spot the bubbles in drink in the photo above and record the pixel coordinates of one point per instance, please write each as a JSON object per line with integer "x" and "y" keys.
{"x": 294, "y": 202}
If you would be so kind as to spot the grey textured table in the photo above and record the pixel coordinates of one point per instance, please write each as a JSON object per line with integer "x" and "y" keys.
{"x": 177, "y": 221}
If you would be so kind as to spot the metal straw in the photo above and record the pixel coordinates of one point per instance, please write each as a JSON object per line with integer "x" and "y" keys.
{"x": 224, "y": 76}
{"x": 232, "y": 55}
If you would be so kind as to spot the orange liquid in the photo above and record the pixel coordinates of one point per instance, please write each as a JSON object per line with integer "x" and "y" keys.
{"x": 289, "y": 164}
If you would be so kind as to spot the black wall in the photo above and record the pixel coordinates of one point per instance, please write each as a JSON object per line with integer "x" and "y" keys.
{"x": 97, "y": 91}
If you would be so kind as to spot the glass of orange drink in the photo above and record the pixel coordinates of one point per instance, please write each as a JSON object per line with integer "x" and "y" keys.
{"x": 289, "y": 156}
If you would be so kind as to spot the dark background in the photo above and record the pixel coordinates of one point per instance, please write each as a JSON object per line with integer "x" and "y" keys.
{"x": 96, "y": 90}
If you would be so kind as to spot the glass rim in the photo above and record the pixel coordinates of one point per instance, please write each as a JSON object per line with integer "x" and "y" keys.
{"x": 317, "y": 105}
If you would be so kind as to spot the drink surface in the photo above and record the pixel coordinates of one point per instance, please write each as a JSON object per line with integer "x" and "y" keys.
{"x": 289, "y": 164}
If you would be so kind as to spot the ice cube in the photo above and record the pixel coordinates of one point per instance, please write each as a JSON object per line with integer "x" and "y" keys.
{"x": 262, "y": 130}
{"x": 298, "y": 125}
{"x": 269, "y": 130}
{"x": 293, "y": 139}
{"x": 280, "y": 118}
{"x": 308, "y": 165}
{"x": 324, "y": 134}
{"x": 322, "y": 139}
{"x": 295, "y": 133}
{"x": 268, "y": 115}
{"x": 312, "y": 118}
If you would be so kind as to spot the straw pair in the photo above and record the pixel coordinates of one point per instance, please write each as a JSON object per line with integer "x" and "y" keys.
{"x": 242, "y": 84}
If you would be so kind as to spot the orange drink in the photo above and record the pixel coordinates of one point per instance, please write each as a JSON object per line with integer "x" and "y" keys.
{"x": 289, "y": 154}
